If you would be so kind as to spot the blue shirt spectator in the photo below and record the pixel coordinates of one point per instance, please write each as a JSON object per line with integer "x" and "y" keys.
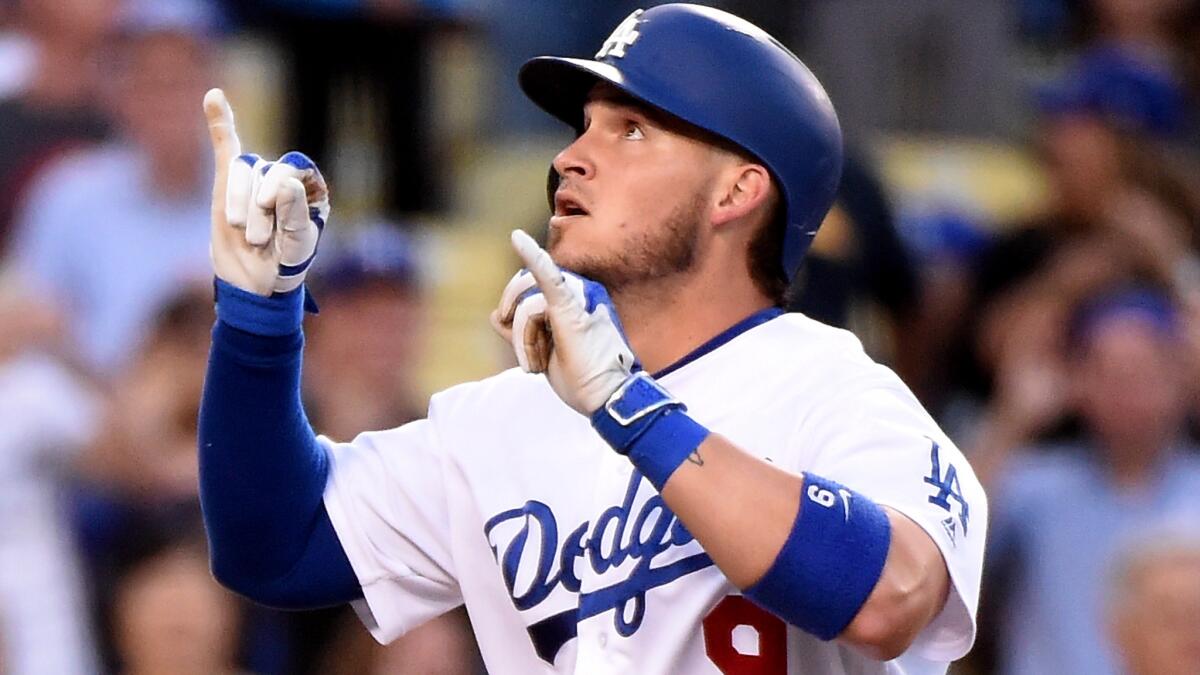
{"x": 106, "y": 235}
{"x": 1063, "y": 522}
{"x": 98, "y": 240}
{"x": 1064, "y": 511}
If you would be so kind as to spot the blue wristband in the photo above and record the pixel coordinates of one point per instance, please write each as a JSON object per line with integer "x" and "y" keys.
{"x": 644, "y": 422}
{"x": 830, "y": 562}
{"x": 279, "y": 314}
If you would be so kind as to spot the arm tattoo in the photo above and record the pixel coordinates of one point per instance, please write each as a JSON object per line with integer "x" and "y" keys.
{"x": 695, "y": 458}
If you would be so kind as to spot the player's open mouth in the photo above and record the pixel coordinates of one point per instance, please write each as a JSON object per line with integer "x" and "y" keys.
{"x": 566, "y": 206}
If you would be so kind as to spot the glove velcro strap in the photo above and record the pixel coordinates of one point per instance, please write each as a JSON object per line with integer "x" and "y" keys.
{"x": 644, "y": 422}
{"x": 279, "y": 314}
{"x": 830, "y": 562}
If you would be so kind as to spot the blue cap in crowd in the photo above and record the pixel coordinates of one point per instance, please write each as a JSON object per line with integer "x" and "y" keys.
{"x": 380, "y": 252}
{"x": 199, "y": 18}
{"x": 1136, "y": 96}
{"x": 1151, "y": 307}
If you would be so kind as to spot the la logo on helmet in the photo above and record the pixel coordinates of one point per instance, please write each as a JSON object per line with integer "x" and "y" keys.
{"x": 625, "y": 35}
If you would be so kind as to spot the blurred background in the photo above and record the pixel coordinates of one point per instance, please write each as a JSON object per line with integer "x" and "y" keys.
{"x": 1017, "y": 235}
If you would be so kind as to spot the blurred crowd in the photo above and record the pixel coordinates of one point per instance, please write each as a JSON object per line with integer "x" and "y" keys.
{"x": 1058, "y": 343}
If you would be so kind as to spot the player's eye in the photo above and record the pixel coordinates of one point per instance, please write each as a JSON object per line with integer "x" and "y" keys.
{"x": 633, "y": 131}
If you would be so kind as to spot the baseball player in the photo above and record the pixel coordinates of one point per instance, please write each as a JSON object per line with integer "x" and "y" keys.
{"x": 679, "y": 477}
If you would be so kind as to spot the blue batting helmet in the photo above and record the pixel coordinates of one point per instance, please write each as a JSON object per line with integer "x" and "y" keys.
{"x": 722, "y": 74}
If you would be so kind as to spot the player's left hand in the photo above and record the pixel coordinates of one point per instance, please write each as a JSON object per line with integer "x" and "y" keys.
{"x": 565, "y": 326}
{"x": 266, "y": 216}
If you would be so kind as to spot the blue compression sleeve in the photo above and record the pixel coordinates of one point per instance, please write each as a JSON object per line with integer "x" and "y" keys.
{"x": 262, "y": 471}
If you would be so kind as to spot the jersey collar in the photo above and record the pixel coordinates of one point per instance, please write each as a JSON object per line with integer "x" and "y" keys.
{"x": 758, "y": 318}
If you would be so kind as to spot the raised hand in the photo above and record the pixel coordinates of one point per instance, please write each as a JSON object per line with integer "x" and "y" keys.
{"x": 563, "y": 325}
{"x": 266, "y": 216}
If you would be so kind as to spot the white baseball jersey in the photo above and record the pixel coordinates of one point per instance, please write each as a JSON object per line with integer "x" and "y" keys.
{"x": 570, "y": 562}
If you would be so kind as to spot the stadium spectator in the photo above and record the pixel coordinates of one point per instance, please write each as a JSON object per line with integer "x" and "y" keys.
{"x": 1154, "y": 605}
{"x": 53, "y": 105}
{"x": 138, "y": 477}
{"x": 137, "y": 486}
{"x": 146, "y": 193}
{"x": 858, "y": 262}
{"x": 361, "y": 364}
{"x": 1155, "y": 38}
{"x": 1135, "y": 97}
{"x": 1144, "y": 232}
{"x": 47, "y": 415}
{"x": 1110, "y": 186}
{"x": 170, "y": 616}
{"x": 947, "y": 244}
{"x": 1063, "y": 509}
{"x": 1159, "y": 32}
{"x": 362, "y": 358}
{"x": 146, "y": 450}
{"x": 1156, "y": 33}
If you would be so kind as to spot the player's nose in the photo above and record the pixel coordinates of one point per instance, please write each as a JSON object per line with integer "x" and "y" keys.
{"x": 575, "y": 160}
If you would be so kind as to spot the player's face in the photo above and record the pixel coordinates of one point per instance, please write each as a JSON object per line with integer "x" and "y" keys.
{"x": 634, "y": 194}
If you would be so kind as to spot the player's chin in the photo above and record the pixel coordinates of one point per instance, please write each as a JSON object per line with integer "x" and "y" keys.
{"x": 573, "y": 255}
{"x": 584, "y": 263}
{"x": 566, "y": 233}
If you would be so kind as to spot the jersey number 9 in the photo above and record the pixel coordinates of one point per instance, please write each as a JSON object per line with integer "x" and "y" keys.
{"x": 742, "y": 638}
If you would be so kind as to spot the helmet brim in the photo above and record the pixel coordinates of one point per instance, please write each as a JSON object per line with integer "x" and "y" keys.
{"x": 560, "y": 85}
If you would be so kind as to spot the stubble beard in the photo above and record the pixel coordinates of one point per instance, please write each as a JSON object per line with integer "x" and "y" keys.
{"x": 652, "y": 255}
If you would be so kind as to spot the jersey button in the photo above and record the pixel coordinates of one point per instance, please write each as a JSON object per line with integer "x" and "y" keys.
{"x": 603, "y": 640}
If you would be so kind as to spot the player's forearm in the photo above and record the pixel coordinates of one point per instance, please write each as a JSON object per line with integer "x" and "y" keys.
{"x": 745, "y": 527}
{"x": 808, "y": 549}
{"x": 262, "y": 472}
{"x": 745, "y": 530}
{"x": 910, "y": 593}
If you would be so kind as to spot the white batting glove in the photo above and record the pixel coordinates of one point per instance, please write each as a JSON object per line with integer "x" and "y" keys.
{"x": 565, "y": 326}
{"x": 266, "y": 216}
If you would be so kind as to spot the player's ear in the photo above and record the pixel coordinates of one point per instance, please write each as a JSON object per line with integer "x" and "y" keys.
{"x": 742, "y": 188}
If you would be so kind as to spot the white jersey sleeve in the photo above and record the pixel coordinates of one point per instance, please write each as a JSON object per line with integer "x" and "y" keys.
{"x": 875, "y": 438}
{"x": 387, "y": 503}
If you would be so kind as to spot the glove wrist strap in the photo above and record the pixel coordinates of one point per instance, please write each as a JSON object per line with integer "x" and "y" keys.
{"x": 650, "y": 426}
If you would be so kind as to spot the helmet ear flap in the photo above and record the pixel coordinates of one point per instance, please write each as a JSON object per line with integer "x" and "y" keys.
{"x": 552, "y": 181}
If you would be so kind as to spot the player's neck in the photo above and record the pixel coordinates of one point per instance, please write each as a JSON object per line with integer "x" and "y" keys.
{"x": 666, "y": 322}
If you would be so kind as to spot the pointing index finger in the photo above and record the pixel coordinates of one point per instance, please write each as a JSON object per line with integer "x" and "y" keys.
{"x": 226, "y": 147}
{"x": 225, "y": 141}
{"x": 538, "y": 262}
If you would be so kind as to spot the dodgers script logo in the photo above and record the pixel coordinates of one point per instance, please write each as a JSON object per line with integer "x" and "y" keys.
{"x": 619, "y": 535}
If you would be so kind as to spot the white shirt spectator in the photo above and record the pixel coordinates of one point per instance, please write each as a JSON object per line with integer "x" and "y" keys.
{"x": 44, "y": 621}
{"x": 95, "y": 237}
